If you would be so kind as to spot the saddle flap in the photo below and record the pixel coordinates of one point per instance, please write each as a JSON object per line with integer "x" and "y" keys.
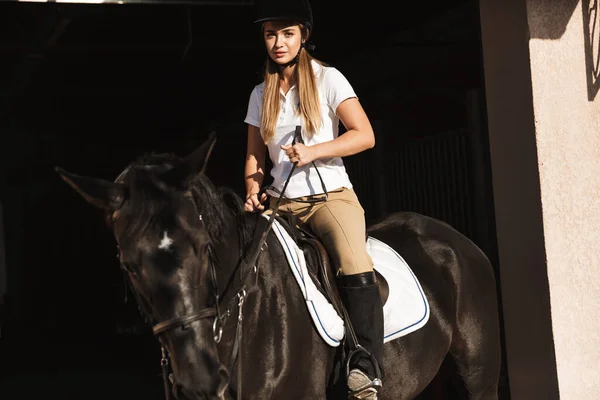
{"x": 318, "y": 261}
{"x": 322, "y": 273}
{"x": 384, "y": 287}
{"x": 320, "y": 270}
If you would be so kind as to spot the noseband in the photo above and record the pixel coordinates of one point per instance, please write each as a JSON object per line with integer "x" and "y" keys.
{"x": 182, "y": 321}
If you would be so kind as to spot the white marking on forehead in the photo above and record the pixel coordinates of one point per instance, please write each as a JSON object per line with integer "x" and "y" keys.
{"x": 165, "y": 242}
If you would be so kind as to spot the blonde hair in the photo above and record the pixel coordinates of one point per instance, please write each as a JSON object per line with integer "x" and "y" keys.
{"x": 308, "y": 94}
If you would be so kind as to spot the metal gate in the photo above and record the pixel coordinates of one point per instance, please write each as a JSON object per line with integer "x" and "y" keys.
{"x": 427, "y": 175}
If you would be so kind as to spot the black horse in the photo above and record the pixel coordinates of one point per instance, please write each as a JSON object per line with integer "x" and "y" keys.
{"x": 185, "y": 244}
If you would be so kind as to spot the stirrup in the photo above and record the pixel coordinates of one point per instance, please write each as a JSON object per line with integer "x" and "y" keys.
{"x": 361, "y": 387}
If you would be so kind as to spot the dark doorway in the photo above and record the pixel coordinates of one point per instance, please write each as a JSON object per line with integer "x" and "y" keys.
{"x": 91, "y": 87}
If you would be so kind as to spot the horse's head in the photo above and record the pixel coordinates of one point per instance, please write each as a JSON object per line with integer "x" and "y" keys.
{"x": 155, "y": 208}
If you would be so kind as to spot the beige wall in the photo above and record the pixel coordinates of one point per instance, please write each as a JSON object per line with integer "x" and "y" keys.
{"x": 544, "y": 126}
{"x": 567, "y": 124}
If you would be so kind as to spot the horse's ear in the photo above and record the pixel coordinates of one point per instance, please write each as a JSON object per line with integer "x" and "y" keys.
{"x": 194, "y": 164}
{"x": 98, "y": 192}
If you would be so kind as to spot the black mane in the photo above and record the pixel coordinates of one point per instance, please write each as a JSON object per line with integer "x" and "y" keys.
{"x": 149, "y": 196}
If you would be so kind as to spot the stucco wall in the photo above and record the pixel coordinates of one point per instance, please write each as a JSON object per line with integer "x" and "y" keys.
{"x": 544, "y": 134}
{"x": 567, "y": 126}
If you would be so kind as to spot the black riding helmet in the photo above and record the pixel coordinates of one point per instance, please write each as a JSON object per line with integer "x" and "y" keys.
{"x": 295, "y": 10}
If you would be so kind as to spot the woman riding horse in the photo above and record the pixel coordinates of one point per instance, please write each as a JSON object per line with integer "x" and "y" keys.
{"x": 232, "y": 321}
{"x": 300, "y": 91}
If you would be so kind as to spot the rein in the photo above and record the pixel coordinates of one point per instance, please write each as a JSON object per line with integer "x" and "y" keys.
{"x": 236, "y": 354}
{"x": 237, "y": 300}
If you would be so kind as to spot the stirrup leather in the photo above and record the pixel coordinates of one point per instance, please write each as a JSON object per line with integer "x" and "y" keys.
{"x": 361, "y": 387}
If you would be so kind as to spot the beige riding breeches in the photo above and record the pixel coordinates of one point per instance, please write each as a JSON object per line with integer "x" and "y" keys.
{"x": 340, "y": 224}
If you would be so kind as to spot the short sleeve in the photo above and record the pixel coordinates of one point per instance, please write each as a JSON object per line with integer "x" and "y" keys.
{"x": 336, "y": 88}
{"x": 254, "y": 108}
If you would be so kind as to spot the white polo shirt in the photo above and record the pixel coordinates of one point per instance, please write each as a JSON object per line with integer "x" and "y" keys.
{"x": 333, "y": 88}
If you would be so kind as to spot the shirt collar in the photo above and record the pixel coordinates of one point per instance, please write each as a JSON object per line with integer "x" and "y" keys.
{"x": 292, "y": 89}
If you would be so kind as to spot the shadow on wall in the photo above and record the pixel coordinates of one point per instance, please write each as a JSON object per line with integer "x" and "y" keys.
{"x": 591, "y": 29}
{"x": 549, "y": 20}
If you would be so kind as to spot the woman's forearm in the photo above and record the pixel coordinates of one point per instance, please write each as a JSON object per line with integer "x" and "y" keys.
{"x": 350, "y": 143}
{"x": 254, "y": 175}
{"x": 255, "y": 161}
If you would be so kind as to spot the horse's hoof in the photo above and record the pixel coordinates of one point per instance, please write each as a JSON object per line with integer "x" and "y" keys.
{"x": 361, "y": 386}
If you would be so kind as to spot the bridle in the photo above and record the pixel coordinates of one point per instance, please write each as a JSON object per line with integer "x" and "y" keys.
{"x": 249, "y": 264}
{"x": 159, "y": 328}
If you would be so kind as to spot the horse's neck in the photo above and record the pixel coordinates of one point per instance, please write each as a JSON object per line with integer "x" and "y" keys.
{"x": 229, "y": 253}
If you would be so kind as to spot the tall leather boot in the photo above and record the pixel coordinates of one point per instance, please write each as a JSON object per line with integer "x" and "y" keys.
{"x": 360, "y": 295}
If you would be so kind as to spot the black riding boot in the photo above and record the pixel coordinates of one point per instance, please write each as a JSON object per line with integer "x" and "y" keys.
{"x": 360, "y": 295}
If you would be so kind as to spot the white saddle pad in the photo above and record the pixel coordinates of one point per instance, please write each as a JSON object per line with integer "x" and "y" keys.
{"x": 405, "y": 311}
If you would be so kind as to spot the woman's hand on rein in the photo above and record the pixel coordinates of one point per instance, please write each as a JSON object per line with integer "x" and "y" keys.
{"x": 253, "y": 203}
{"x": 299, "y": 153}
